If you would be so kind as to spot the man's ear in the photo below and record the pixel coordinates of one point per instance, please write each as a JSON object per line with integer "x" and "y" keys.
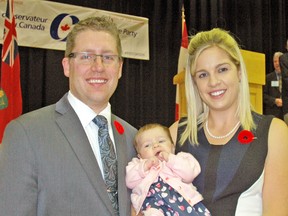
{"x": 66, "y": 66}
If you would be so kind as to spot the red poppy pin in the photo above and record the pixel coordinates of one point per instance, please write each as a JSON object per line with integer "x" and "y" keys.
{"x": 245, "y": 137}
{"x": 119, "y": 127}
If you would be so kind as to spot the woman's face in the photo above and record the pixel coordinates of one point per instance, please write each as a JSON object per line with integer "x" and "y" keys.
{"x": 217, "y": 79}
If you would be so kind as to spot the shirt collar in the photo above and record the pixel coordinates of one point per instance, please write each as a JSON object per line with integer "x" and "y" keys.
{"x": 85, "y": 113}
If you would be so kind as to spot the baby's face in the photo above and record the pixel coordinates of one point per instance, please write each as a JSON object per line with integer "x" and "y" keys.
{"x": 153, "y": 141}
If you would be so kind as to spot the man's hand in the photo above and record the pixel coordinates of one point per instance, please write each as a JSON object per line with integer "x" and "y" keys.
{"x": 278, "y": 102}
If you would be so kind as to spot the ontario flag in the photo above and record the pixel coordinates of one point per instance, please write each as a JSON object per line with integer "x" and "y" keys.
{"x": 10, "y": 88}
{"x": 181, "y": 62}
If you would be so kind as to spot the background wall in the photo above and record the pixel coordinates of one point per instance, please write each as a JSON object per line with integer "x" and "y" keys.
{"x": 146, "y": 92}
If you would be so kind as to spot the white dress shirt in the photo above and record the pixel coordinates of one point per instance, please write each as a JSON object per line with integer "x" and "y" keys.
{"x": 86, "y": 116}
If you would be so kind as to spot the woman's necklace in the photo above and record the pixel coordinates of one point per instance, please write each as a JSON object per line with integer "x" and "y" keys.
{"x": 224, "y": 136}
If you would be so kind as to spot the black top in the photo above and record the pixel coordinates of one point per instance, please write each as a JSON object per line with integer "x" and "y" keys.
{"x": 228, "y": 170}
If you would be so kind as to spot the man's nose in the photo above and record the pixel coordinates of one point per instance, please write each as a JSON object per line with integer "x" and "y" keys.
{"x": 98, "y": 63}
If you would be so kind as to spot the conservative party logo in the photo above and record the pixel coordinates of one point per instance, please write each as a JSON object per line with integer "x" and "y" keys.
{"x": 61, "y": 26}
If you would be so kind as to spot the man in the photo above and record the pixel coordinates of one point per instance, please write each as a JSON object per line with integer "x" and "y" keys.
{"x": 284, "y": 68}
{"x": 50, "y": 162}
{"x": 272, "y": 90}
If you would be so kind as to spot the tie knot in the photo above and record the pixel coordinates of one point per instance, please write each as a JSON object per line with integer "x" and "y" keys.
{"x": 100, "y": 121}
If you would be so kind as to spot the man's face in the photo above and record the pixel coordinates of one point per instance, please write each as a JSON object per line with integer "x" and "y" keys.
{"x": 276, "y": 64}
{"x": 95, "y": 82}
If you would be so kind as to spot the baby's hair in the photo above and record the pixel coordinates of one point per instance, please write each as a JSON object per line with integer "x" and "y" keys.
{"x": 148, "y": 127}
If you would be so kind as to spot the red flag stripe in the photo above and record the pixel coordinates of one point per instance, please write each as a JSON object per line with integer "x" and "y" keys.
{"x": 184, "y": 35}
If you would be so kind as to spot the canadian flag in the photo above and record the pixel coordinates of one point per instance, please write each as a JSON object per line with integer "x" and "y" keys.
{"x": 181, "y": 62}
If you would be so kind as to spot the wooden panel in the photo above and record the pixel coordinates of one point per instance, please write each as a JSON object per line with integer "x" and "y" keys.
{"x": 256, "y": 97}
{"x": 255, "y": 64}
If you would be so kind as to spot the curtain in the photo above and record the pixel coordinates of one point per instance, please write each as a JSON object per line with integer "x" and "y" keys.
{"x": 146, "y": 92}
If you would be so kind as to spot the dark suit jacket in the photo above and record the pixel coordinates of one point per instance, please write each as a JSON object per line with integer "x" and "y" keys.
{"x": 47, "y": 166}
{"x": 270, "y": 93}
{"x": 284, "y": 69}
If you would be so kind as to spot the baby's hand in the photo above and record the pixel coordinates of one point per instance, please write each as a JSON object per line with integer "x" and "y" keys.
{"x": 151, "y": 162}
{"x": 163, "y": 156}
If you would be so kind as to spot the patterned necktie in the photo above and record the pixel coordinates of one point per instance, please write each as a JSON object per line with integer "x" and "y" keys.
{"x": 109, "y": 160}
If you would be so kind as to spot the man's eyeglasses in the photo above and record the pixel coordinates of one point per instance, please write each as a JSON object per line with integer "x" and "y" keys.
{"x": 87, "y": 58}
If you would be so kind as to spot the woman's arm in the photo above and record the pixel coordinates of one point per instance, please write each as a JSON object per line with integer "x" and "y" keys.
{"x": 275, "y": 189}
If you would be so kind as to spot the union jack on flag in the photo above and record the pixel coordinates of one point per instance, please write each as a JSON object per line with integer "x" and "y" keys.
{"x": 10, "y": 88}
{"x": 10, "y": 47}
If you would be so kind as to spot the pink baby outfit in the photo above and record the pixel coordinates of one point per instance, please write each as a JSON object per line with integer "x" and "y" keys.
{"x": 178, "y": 172}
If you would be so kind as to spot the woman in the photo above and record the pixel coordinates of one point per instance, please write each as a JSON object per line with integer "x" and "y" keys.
{"x": 243, "y": 155}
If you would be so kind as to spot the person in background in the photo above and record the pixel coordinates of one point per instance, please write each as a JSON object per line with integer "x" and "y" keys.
{"x": 242, "y": 154}
{"x": 272, "y": 97}
{"x": 283, "y": 60}
{"x": 50, "y": 161}
{"x": 159, "y": 179}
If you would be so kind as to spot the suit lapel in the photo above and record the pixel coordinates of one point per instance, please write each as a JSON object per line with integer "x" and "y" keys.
{"x": 121, "y": 148}
{"x": 76, "y": 136}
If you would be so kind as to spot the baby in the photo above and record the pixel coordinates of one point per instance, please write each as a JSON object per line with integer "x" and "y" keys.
{"x": 161, "y": 181}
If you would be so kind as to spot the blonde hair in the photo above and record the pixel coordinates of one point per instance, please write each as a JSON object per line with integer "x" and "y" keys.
{"x": 197, "y": 110}
{"x": 148, "y": 127}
